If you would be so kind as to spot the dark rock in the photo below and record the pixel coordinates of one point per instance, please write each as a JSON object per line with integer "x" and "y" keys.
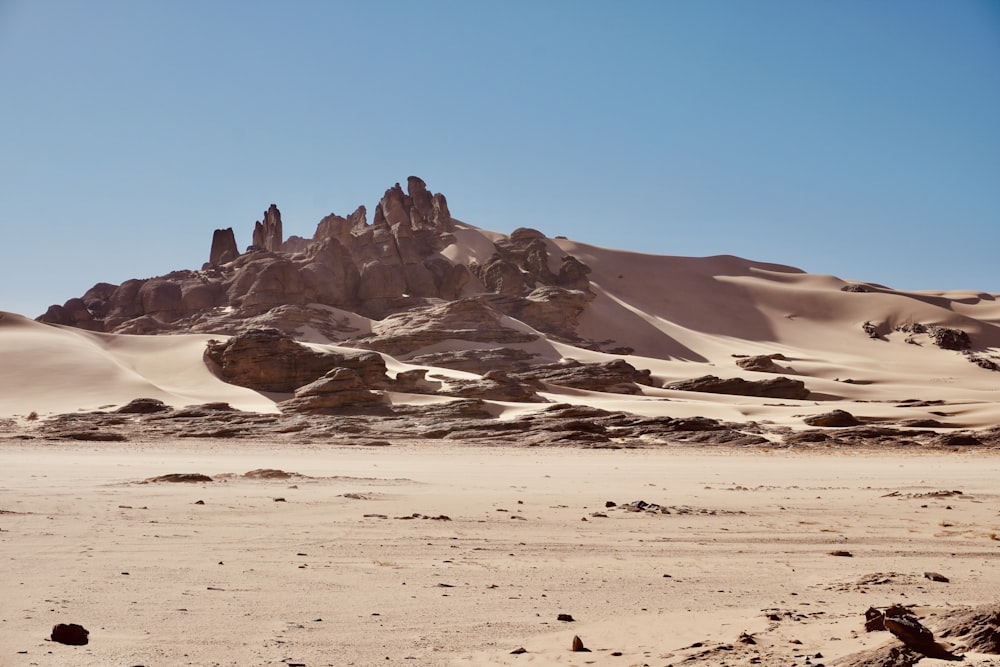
{"x": 779, "y": 387}
{"x": 143, "y": 406}
{"x": 616, "y": 376}
{"x": 577, "y": 646}
{"x": 70, "y": 633}
{"x": 338, "y": 389}
{"x": 182, "y": 477}
{"x": 567, "y": 618}
{"x": 950, "y": 339}
{"x": 268, "y": 234}
{"x": 224, "y": 248}
{"x": 871, "y": 329}
{"x": 958, "y": 440}
{"x": 909, "y": 630}
{"x": 833, "y": 419}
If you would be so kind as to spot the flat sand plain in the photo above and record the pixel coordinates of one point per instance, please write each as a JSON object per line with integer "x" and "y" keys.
{"x": 426, "y": 554}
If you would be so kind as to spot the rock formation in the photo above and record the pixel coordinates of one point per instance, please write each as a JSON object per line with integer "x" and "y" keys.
{"x": 268, "y": 360}
{"x": 224, "y": 248}
{"x": 390, "y": 266}
{"x": 779, "y": 387}
{"x": 268, "y": 235}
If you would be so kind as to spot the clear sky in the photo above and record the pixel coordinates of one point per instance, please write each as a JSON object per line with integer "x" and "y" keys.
{"x": 854, "y": 137}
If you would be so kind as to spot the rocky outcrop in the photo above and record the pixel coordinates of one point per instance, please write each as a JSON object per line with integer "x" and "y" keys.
{"x": 268, "y": 360}
{"x": 375, "y": 270}
{"x": 618, "y": 376}
{"x": 834, "y": 419}
{"x": 340, "y": 389}
{"x": 779, "y": 387}
{"x": 268, "y": 235}
{"x": 762, "y": 363}
{"x": 494, "y": 386}
{"x": 224, "y": 249}
{"x": 470, "y": 320}
{"x": 950, "y": 339}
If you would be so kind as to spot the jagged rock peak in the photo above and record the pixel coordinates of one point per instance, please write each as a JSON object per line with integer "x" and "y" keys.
{"x": 268, "y": 235}
{"x": 416, "y": 207}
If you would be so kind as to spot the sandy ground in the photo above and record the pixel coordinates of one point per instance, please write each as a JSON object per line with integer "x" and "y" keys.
{"x": 337, "y": 574}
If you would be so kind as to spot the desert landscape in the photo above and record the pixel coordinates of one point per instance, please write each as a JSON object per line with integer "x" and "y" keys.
{"x": 415, "y": 441}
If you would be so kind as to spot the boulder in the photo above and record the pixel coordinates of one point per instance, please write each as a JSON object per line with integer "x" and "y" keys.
{"x": 338, "y": 389}
{"x": 71, "y": 634}
{"x": 833, "y": 419}
{"x": 950, "y": 339}
{"x": 762, "y": 363}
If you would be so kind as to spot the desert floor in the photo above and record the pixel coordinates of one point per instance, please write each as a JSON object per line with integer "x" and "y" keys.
{"x": 352, "y": 562}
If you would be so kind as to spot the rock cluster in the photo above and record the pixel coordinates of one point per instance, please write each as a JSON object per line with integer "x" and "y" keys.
{"x": 389, "y": 266}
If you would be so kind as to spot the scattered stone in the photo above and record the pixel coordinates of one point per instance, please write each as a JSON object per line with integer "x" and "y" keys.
{"x": 519, "y": 651}
{"x": 568, "y": 618}
{"x": 577, "y": 646}
{"x": 845, "y": 554}
{"x": 71, "y": 634}
{"x": 934, "y": 576}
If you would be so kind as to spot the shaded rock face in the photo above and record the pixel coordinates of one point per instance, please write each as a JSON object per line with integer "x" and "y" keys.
{"x": 780, "y": 387}
{"x": 268, "y": 235}
{"x": 268, "y": 360}
{"x": 467, "y": 319}
{"x": 224, "y": 248}
{"x": 375, "y": 270}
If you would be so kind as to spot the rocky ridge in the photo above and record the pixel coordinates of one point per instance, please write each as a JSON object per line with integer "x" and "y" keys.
{"x": 392, "y": 266}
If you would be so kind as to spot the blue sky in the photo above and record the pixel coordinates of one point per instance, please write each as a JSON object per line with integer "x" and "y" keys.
{"x": 858, "y": 137}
